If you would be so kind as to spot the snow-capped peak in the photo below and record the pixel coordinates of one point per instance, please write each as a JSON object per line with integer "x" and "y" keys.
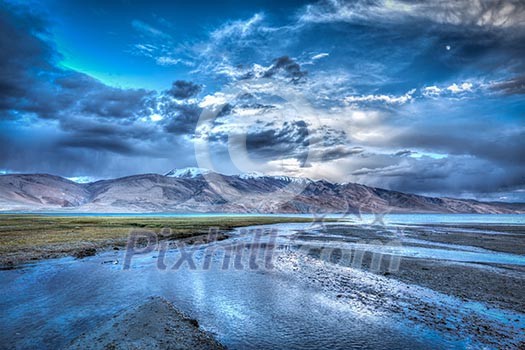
{"x": 81, "y": 179}
{"x": 257, "y": 175}
{"x": 194, "y": 172}
{"x": 251, "y": 175}
{"x": 300, "y": 180}
{"x": 190, "y": 172}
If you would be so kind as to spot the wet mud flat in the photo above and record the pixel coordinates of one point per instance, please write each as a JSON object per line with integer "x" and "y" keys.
{"x": 155, "y": 324}
{"x": 490, "y": 282}
{"x": 496, "y": 237}
{"x": 463, "y": 280}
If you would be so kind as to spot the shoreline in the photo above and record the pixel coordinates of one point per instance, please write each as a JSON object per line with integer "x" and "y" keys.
{"x": 29, "y": 238}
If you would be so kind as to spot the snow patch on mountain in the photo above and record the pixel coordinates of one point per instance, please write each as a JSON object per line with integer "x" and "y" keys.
{"x": 190, "y": 172}
{"x": 289, "y": 179}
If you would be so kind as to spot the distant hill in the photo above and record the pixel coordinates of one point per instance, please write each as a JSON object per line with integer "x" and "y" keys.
{"x": 197, "y": 190}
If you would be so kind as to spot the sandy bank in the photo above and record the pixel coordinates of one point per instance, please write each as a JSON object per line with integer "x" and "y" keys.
{"x": 156, "y": 324}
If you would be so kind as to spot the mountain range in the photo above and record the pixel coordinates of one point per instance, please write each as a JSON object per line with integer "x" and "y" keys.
{"x": 198, "y": 190}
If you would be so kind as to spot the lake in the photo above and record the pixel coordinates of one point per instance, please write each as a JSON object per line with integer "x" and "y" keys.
{"x": 49, "y": 303}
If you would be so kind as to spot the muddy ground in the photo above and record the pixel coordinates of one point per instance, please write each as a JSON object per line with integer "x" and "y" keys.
{"x": 156, "y": 324}
{"x": 501, "y": 285}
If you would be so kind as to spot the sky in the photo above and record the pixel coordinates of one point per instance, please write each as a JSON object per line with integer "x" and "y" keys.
{"x": 425, "y": 97}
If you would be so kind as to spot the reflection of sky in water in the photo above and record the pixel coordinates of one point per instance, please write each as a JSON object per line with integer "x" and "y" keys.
{"x": 426, "y": 253}
{"x": 56, "y": 300}
{"x": 397, "y": 246}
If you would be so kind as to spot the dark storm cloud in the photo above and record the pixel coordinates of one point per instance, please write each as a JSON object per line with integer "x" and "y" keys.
{"x": 122, "y": 129}
{"x": 331, "y": 144}
{"x": 404, "y": 153}
{"x": 340, "y": 151}
{"x": 454, "y": 174}
{"x": 184, "y": 89}
{"x": 459, "y": 155}
{"x": 99, "y": 100}
{"x": 183, "y": 120}
{"x": 110, "y": 144}
{"x": 515, "y": 86}
{"x": 281, "y": 67}
{"x": 33, "y": 83}
{"x": 62, "y": 121}
{"x": 49, "y": 150}
{"x": 20, "y": 51}
{"x": 331, "y": 137}
{"x": 260, "y": 101}
{"x": 291, "y": 139}
{"x": 69, "y": 93}
{"x": 500, "y": 148}
{"x": 286, "y": 66}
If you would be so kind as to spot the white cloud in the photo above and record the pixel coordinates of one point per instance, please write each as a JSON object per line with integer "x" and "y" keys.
{"x": 390, "y": 99}
{"x": 431, "y": 91}
{"x": 156, "y": 117}
{"x": 170, "y": 61}
{"x": 215, "y": 100}
{"x": 481, "y": 13}
{"x": 145, "y": 48}
{"x": 238, "y": 28}
{"x": 450, "y": 91}
{"x": 432, "y": 155}
{"x": 455, "y": 88}
{"x": 319, "y": 56}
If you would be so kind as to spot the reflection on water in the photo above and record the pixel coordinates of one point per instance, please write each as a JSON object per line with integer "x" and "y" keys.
{"x": 52, "y": 302}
